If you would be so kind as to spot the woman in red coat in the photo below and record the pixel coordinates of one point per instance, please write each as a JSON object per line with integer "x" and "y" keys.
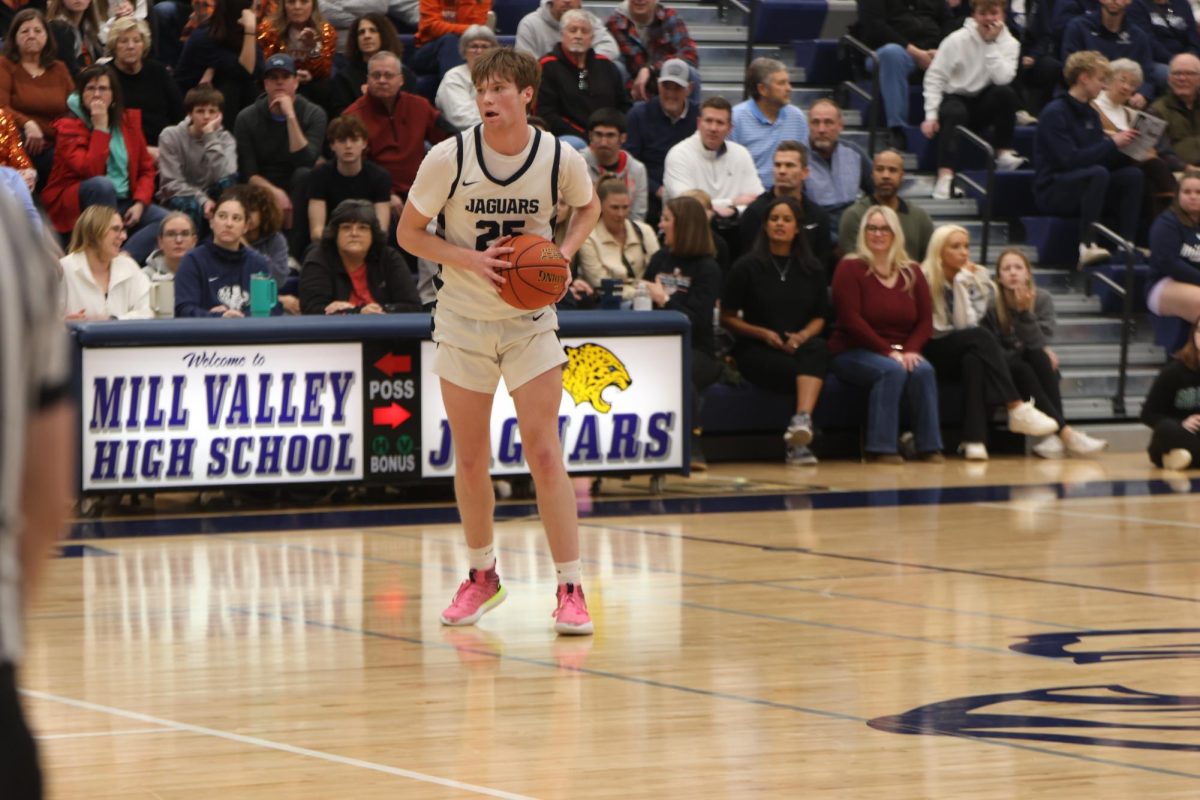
{"x": 101, "y": 159}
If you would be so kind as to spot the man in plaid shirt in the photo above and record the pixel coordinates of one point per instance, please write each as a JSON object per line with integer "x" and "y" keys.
{"x": 648, "y": 34}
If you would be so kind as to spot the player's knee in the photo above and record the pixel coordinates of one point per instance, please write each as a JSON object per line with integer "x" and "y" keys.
{"x": 543, "y": 458}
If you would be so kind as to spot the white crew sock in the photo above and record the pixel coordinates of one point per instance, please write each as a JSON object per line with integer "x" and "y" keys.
{"x": 569, "y": 572}
{"x": 483, "y": 558}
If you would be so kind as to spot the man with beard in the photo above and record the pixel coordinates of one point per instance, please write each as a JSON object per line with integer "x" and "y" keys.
{"x": 539, "y": 31}
{"x": 576, "y": 81}
{"x": 887, "y": 172}
{"x": 838, "y": 172}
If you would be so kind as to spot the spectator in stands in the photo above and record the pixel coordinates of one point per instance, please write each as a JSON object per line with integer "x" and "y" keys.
{"x": 968, "y": 83}
{"x": 1080, "y": 170}
{"x": 905, "y": 35}
{"x": 540, "y": 31}
{"x": 1109, "y": 32}
{"x": 99, "y": 281}
{"x": 399, "y": 125}
{"x": 93, "y": 165}
{"x": 351, "y": 270}
{"x": 619, "y": 248}
{"x": 884, "y": 317}
{"x": 1022, "y": 319}
{"x": 774, "y": 303}
{"x": 75, "y": 26}
{"x": 648, "y": 35}
{"x": 347, "y": 177}
{"x": 176, "y": 236}
{"x": 961, "y": 349}
{"x": 838, "y": 172}
{"x": 1160, "y": 165}
{"x": 34, "y": 85}
{"x": 605, "y": 158}
{"x": 145, "y": 84}
{"x": 224, "y": 52}
{"x": 708, "y": 160}
{"x": 1040, "y": 70}
{"x": 683, "y": 276}
{"x": 1179, "y": 108}
{"x": 442, "y": 22}
{"x": 767, "y": 117}
{"x": 279, "y": 139}
{"x": 197, "y": 158}
{"x": 368, "y": 35}
{"x": 887, "y": 175}
{"x": 791, "y": 170}
{"x": 576, "y": 82}
{"x": 298, "y": 29}
{"x": 456, "y": 93}
{"x": 1172, "y": 409}
{"x": 1173, "y": 286}
{"x": 1169, "y": 24}
{"x": 214, "y": 279}
{"x": 264, "y": 231}
{"x": 659, "y": 124}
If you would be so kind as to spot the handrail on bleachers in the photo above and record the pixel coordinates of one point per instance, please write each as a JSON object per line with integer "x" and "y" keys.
{"x": 965, "y": 133}
{"x": 1126, "y": 293}
{"x": 873, "y": 97}
{"x": 751, "y": 13}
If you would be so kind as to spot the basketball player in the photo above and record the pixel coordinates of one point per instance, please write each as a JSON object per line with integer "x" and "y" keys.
{"x": 495, "y": 180}
{"x": 37, "y": 451}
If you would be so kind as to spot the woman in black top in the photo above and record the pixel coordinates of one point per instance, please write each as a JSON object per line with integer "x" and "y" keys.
{"x": 145, "y": 83}
{"x": 1172, "y": 408}
{"x": 775, "y": 302}
{"x": 353, "y": 271}
{"x": 683, "y": 276}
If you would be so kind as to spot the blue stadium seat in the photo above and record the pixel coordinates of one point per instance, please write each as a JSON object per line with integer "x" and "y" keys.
{"x": 1012, "y": 192}
{"x": 819, "y": 60}
{"x": 1056, "y": 239}
{"x": 785, "y": 20}
{"x": 509, "y": 13}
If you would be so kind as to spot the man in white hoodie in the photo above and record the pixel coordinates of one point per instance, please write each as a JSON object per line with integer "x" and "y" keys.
{"x": 969, "y": 83}
{"x": 540, "y": 31}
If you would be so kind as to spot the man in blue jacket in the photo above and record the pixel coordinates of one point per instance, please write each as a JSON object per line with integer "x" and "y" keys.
{"x": 659, "y": 124}
{"x": 1080, "y": 170}
{"x": 1109, "y": 32}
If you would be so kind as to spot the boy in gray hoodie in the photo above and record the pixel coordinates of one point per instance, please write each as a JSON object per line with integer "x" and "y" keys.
{"x": 197, "y": 158}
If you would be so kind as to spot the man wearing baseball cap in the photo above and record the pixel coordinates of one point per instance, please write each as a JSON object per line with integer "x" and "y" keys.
{"x": 278, "y": 140}
{"x": 661, "y": 123}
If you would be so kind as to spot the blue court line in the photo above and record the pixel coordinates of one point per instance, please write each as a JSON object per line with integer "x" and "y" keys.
{"x": 438, "y": 515}
{"x": 693, "y": 690}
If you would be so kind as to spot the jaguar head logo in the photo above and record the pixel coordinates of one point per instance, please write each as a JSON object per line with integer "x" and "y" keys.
{"x": 590, "y": 370}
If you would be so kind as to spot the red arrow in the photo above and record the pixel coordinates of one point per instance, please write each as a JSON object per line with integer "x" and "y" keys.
{"x": 391, "y": 364}
{"x": 394, "y": 415}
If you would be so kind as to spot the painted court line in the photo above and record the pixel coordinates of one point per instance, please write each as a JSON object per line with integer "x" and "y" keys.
{"x": 267, "y": 744}
{"x": 94, "y": 734}
{"x": 1166, "y": 523}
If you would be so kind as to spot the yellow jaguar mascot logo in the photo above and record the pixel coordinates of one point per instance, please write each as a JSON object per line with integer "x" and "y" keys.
{"x": 590, "y": 370}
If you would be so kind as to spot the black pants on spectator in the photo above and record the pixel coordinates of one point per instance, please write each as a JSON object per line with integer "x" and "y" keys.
{"x": 1037, "y": 82}
{"x": 995, "y": 107}
{"x": 1170, "y": 434}
{"x": 775, "y": 370}
{"x": 706, "y": 370}
{"x": 1093, "y": 193}
{"x": 974, "y": 356}
{"x": 299, "y": 235}
{"x": 1035, "y": 377}
{"x": 19, "y": 771}
{"x": 1161, "y": 188}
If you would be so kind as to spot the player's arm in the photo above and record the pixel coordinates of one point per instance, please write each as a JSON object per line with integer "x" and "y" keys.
{"x": 582, "y": 223}
{"x": 46, "y": 486}
{"x": 412, "y": 235}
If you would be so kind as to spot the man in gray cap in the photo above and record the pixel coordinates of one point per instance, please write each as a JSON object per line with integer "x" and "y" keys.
{"x": 659, "y": 124}
{"x": 278, "y": 140}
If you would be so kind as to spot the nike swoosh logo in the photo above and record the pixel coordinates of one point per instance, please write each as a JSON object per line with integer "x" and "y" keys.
{"x": 470, "y": 183}
{"x": 210, "y": 280}
{"x": 539, "y": 316}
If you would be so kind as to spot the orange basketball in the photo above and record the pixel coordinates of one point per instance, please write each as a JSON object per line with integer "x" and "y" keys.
{"x": 537, "y": 275}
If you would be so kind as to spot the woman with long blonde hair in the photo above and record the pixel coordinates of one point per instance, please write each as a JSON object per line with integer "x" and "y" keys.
{"x": 1022, "y": 319}
{"x": 959, "y": 293}
{"x": 884, "y": 318}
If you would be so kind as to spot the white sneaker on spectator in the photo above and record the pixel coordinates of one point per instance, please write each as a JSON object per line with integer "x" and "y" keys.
{"x": 1008, "y": 160}
{"x": 799, "y": 431}
{"x": 1050, "y": 447}
{"x": 943, "y": 185}
{"x": 1028, "y": 420}
{"x": 1092, "y": 254}
{"x": 973, "y": 451}
{"x": 1178, "y": 458}
{"x": 1025, "y": 118}
{"x": 1079, "y": 443}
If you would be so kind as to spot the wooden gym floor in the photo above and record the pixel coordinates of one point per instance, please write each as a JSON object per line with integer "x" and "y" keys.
{"x": 1021, "y": 629}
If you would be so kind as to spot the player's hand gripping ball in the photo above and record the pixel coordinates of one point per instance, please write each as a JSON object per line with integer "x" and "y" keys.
{"x": 537, "y": 275}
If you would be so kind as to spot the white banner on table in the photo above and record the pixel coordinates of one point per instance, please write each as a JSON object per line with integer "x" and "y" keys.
{"x": 621, "y": 410}
{"x": 193, "y": 415}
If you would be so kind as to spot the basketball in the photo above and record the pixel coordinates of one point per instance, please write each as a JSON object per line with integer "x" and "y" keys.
{"x": 537, "y": 275}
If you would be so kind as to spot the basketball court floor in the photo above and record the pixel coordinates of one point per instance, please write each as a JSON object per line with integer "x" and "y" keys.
{"x": 1020, "y": 629}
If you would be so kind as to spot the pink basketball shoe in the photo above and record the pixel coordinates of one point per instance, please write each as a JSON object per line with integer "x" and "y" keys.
{"x": 571, "y": 616}
{"x": 477, "y": 595}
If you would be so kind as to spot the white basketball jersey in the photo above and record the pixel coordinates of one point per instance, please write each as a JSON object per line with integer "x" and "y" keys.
{"x": 482, "y": 207}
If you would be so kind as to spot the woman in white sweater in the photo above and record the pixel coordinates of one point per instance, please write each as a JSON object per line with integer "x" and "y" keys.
{"x": 456, "y": 93}
{"x": 99, "y": 281}
{"x": 969, "y": 83}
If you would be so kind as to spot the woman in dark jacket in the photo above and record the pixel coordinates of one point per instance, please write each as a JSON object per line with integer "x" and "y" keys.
{"x": 224, "y": 52}
{"x": 1172, "y": 409}
{"x": 353, "y": 271}
{"x": 683, "y": 276}
{"x": 775, "y": 302}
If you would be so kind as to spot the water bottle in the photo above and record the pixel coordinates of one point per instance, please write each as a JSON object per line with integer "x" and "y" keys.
{"x": 641, "y": 298}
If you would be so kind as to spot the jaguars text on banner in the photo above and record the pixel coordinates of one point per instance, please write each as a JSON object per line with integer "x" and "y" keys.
{"x": 621, "y": 410}
{"x": 194, "y": 415}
